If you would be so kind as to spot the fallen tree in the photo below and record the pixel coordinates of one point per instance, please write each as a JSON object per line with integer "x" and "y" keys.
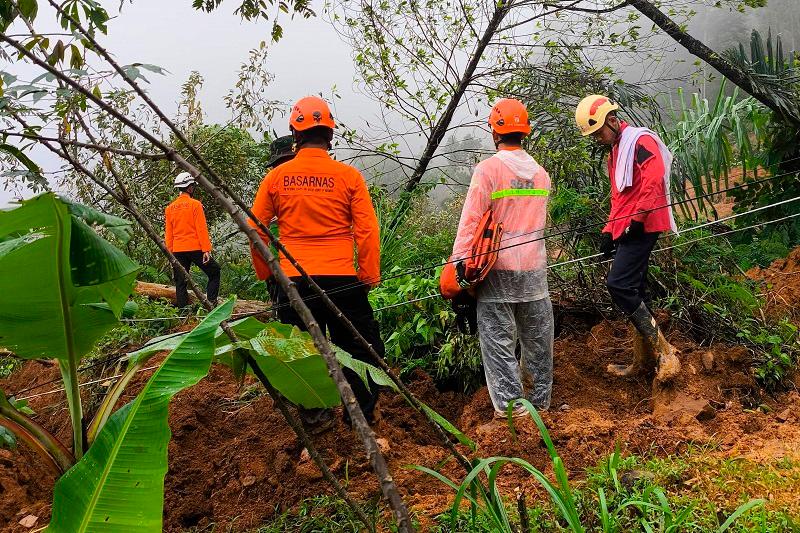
{"x": 156, "y": 291}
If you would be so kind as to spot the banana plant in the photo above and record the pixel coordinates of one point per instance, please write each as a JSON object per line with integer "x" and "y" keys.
{"x": 62, "y": 286}
{"x": 119, "y": 484}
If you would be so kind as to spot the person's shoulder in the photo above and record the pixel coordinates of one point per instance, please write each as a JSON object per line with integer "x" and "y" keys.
{"x": 342, "y": 167}
{"x": 485, "y": 164}
{"x": 195, "y": 203}
{"x": 488, "y": 167}
{"x": 646, "y": 148}
{"x": 350, "y": 172}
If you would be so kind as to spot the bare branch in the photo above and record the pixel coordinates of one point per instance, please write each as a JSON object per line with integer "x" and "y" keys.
{"x": 91, "y": 146}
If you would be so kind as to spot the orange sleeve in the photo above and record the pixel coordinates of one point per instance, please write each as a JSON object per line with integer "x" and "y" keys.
{"x": 201, "y": 228}
{"x": 168, "y": 235}
{"x": 264, "y": 210}
{"x": 366, "y": 232}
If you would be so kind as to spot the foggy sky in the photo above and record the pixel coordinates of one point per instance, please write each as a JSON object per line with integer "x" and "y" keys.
{"x": 310, "y": 58}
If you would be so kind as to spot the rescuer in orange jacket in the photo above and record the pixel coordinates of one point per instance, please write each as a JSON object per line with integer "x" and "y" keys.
{"x": 324, "y": 211}
{"x": 186, "y": 236}
{"x": 639, "y": 169}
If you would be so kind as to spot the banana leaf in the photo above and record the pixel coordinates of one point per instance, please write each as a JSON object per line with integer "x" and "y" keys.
{"x": 292, "y": 364}
{"x": 121, "y": 228}
{"x": 119, "y": 483}
{"x": 245, "y": 329}
{"x": 54, "y": 270}
{"x": 62, "y": 287}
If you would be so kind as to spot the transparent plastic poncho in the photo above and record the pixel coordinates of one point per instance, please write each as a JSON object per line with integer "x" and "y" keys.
{"x": 517, "y": 189}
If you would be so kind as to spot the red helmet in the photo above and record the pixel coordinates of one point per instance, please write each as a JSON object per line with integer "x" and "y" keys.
{"x": 509, "y": 116}
{"x": 310, "y": 112}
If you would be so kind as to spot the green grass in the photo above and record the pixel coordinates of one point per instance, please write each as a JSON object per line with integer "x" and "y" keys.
{"x": 320, "y": 514}
{"x": 132, "y": 334}
{"x": 699, "y": 484}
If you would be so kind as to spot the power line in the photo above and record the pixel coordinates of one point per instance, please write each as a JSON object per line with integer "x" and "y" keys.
{"x": 555, "y": 265}
{"x": 429, "y": 296}
{"x": 419, "y": 269}
{"x": 576, "y": 233}
{"x": 86, "y": 384}
{"x": 586, "y": 258}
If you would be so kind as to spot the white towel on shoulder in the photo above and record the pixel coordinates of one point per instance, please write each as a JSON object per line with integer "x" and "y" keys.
{"x": 623, "y": 173}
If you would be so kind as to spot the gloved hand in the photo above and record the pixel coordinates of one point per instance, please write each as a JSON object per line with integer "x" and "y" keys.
{"x": 272, "y": 289}
{"x": 606, "y": 245}
{"x": 465, "y": 307}
{"x": 635, "y": 230}
{"x": 461, "y": 276}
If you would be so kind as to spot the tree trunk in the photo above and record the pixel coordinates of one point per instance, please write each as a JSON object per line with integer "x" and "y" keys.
{"x": 154, "y": 291}
{"x": 700, "y": 50}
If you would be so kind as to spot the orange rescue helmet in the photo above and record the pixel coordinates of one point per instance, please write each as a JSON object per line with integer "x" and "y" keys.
{"x": 592, "y": 112}
{"x": 509, "y": 116}
{"x": 310, "y": 112}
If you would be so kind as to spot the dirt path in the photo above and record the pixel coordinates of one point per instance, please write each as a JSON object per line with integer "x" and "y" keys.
{"x": 235, "y": 463}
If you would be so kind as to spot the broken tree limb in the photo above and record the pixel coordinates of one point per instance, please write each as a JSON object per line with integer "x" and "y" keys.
{"x": 222, "y": 194}
{"x": 415, "y": 403}
{"x": 156, "y": 291}
{"x": 321, "y": 343}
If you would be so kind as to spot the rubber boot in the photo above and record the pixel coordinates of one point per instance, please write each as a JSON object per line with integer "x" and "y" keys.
{"x": 668, "y": 364}
{"x": 644, "y": 360}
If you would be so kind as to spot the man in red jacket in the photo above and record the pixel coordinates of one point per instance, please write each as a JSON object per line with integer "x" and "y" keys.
{"x": 638, "y": 166}
{"x": 186, "y": 236}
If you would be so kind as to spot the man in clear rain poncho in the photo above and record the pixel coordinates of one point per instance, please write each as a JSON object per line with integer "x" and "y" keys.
{"x": 513, "y": 302}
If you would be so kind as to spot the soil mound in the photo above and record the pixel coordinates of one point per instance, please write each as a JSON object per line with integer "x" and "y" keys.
{"x": 781, "y": 283}
{"x": 234, "y": 462}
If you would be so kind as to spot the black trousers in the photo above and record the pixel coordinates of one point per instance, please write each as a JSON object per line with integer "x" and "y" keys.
{"x": 355, "y": 305}
{"x": 210, "y": 269}
{"x": 627, "y": 281}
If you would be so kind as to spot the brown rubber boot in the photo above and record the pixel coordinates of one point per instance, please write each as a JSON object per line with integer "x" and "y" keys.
{"x": 644, "y": 360}
{"x": 669, "y": 366}
{"x": 662, "y": 352}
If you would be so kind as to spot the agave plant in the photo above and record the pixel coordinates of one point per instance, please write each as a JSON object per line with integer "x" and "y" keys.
{"x": 771, "y": 71}
{"x": 776, "y": 73}
{"x": 707, "y": 140}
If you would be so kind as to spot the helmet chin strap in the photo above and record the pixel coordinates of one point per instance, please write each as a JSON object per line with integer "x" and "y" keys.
{"x": 615, "y": 130}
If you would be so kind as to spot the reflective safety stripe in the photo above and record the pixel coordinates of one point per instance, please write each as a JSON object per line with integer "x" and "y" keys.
{"x": 503, "y": 193}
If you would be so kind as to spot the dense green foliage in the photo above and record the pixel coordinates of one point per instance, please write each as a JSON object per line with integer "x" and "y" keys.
{"x": 422, "y": 334}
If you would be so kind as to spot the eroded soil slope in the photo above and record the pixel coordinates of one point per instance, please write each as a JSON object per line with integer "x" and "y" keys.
{"x": 233, "y": 462}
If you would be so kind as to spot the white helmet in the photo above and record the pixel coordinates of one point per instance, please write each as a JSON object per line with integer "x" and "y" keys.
{"x": 183, "y": 180}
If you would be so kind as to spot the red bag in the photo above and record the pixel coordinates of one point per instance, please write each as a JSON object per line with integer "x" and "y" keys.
{"x": 473, "y": 269}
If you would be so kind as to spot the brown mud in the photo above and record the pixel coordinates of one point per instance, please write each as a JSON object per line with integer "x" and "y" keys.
{"x": 781, "y": 285}
{"x": 234, "y": 462}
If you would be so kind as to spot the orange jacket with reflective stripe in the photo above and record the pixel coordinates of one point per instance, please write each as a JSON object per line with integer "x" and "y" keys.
{"x": 323, "y": 208}
{"x": 185, "y": 225}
